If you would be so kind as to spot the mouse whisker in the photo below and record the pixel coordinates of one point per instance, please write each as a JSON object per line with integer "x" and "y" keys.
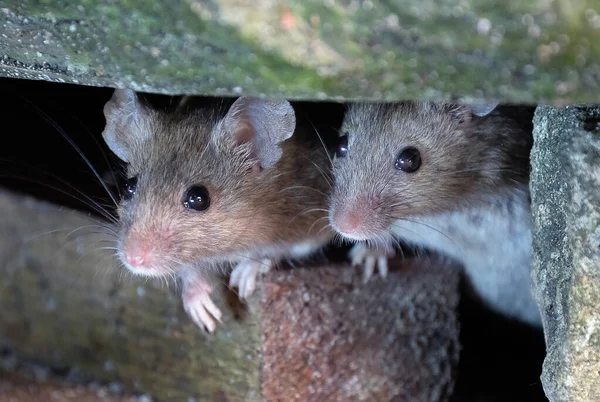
{"x": 84, "y": 252}
{"x": 398, "y": 225}
{"x": 75, "y": 147}
{"x": 104, "y": 154}
{"x": 85, "y": 227}
{"x": 377, "y": 240}
{"x": 161, "y": 280}
{"x": 49, "y": 232}
{"x": 339, "y": 240}
{"x": 302, "y": 187}
{"x": 74, "y": 240}
{"x": 398, "y": 246}
{"x": 107, "y": 268}
{"x": 102, "y": 264}
{"x": 305, "y": 212}
{"x": 122, "y": 272}
{"x": 429, "y": 227}
{"x": 325, "y": 176}
{"x": 322, "y": 143}
{"x": 108, "y": 248}
{"x": 168, "y": 276}
{"x": 325, "y": 227}
{"x": 316, "y": 222}
{"x": 86, "y": 200}
{"x": 173, "y": 276}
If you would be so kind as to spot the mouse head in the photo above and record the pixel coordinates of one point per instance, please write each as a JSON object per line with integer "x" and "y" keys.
{"x": 193, "y": 179}
{"x": 404, "y": 159}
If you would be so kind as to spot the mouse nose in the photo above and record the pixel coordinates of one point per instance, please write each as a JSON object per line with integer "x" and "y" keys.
{"x": 354, "y": 219}
{"x": 348, "y": 222}
{"x": 137, "y": 253}
{"x": 135, "y": 259}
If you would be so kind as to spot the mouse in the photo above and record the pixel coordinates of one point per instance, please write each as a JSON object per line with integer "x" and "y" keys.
{"x": 441, "y": 176}
{"x": 210, "y": 189}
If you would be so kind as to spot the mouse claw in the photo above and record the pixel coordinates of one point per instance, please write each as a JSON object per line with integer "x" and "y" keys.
{"x": 245, "y": 273}
{"x": 370, "y": 258}
{"x": 199, "y": 305}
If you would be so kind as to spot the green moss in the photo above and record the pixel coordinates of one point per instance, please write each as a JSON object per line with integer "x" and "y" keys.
{"x": 532, "y": 51}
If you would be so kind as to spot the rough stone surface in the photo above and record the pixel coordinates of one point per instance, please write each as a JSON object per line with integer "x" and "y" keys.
{"x": 26, "y": 381}
{"x": 565, "y": 185}
{"x": 66, "y": 305}
{"x": 516, "y": 51}
{"x": 16, "y": 389}
{"x": 330, "y": 338}
{"x": 308, "y": 335}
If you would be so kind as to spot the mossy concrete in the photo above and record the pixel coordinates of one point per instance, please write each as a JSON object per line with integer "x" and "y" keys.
{"x": 565, "y": 188}
{"x": 311, "y": 334}
{"x": 514, "y": 51}
{"x": 66, "y": 304}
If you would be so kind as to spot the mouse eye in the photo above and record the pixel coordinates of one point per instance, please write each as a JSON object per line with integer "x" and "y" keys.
{"x": 197, "y": 198}
{"x": 130, "y": 187}
{"x": 409, "y": 160}
{"x": 342, "y": 148}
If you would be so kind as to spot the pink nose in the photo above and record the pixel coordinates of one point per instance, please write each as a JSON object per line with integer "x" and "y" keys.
{"x": 348, "y": 221}
{"x": 135, "y": 260}
{"x": 137, "y": 252}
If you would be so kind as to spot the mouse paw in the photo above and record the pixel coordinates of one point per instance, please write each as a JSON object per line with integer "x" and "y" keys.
{"x": 199, "y": 306}
{"x": 245, "y": 273}
{"x": 370, "y": 257}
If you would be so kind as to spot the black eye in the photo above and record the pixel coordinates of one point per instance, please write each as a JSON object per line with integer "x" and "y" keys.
{"x": 130, "y": 186}
{"x": 342, "y": 148}
{"x": 409, "y": 160}
{"x": 197, "y": 198}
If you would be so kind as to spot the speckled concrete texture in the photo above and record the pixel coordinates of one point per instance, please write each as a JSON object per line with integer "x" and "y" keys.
{"x": 515, "y": 51}
{"x": 565, "y": 186}
{"x": 328, "y": 337}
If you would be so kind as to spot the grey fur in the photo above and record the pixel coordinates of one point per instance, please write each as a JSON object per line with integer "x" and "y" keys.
{"x": 469, "y": 199}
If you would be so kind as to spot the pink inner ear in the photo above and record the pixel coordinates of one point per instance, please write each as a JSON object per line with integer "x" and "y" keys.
{"x": 244, "y": 133}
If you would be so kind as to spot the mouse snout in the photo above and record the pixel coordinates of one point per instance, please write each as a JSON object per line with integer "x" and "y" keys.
{"x": 353, "y": 220}
{"x": 349, "y": 221}
{"x": 136, "y": 258}
{"x": 138, "y": 253}
{"x": 141, "y": 252}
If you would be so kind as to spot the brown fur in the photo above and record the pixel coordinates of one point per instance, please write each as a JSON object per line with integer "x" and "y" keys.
{"x": 250, "y": 210}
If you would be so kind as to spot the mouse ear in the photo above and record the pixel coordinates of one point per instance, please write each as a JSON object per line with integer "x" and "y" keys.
{"x": 264, "y": 123}
{"x": 482, "y": 109}
{"x": 463, "y": 112}
{"x": 125, "y": 122}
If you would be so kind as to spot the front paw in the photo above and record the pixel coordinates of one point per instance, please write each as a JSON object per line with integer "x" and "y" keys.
{"x": 245, "y": 273}
{"x": 370, "y": 257}
{"x": 199, "y": 306}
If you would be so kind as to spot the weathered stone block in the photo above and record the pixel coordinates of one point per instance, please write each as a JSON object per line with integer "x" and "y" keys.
{"x": 309, "y": 334}
{"x": 565, "y": 186}
{"x": 513, "y": 51}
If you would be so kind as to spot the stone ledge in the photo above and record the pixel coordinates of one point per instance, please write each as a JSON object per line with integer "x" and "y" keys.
{"x": 565, "y": 186}
{"x": 524, "y": 52}
{"x": 313, "y": 333}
